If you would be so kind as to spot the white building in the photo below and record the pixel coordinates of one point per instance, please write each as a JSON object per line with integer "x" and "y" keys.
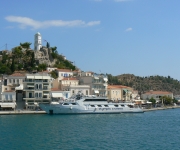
{"x": 84, "y": 89}
{"x": 156, "y": 95}
{"x": 11, "y": 92}
{"x": 64, "y": 73}
{"x": 37, "y": 89}
{"x": 97, "y": 82}
{"x": 37, "y": 41}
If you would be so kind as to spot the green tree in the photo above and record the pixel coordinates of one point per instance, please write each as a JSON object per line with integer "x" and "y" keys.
{"x": 13, "y": 65}
{"x": 152, "y": 100}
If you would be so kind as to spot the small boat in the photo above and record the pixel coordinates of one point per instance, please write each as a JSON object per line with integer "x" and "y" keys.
{"x": 91, "y": 104}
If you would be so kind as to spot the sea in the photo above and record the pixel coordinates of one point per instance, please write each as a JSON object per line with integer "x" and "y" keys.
{"x": 153, "y": 130}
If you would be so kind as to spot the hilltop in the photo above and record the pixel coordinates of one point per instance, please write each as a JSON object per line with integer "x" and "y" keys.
{"x": 23, "y": 58}
{"x": 143, "y": 84}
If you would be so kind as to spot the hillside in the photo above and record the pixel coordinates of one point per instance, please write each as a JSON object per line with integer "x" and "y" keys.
{"x": 143, "y": 84}
{"x": 22, "y": 58}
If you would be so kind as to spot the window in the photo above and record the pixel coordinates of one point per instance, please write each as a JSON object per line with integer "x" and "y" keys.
{"x": 36, "y": 94}
{"x": 73, "y": 91}
{"x": 86, "y": 92}
{"x": 65, "y": 104}
{"x": 62, "y": 74}
{"x": 40, "y": 95}
{"x": 9, "y": 80}
{"x": 122, "y": 105}
{"x": 13, "y": 80}
{"x": 99, "y": 105}
{"x": 116, "y": 105}
{"x": 92, "y": 106}
{"x": 73, "y": 103}
{"x": 106, "y": 106}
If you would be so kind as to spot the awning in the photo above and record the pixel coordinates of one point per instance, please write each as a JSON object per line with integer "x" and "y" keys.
{"x": 96, "y": 78}
{"x": 30, "y": 85}
{"x": 125, "y": 90}
{"x": 46, "y": 77}
{"x": 45, "y": 85}
{"x": 12, "y": 105}
{"x": 45, "y": 93}
{"x": 95, "y": 91}
{"x": 105, "y": 79}
{"x": 57, "y": 95}
{"x": 38, "y": 77}
{"x": 30, "y": 77}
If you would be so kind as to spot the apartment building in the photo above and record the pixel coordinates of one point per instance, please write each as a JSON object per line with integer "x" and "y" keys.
{"x": 97, "y": 82}
{"x": 37, "y": 89}
{"x": 119, "y": 92}
{"x": 11, "y": 90}
{"x": 156, "y": 95}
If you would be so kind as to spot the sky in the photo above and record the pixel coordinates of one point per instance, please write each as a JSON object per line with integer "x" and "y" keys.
{"x": 140, "y": 37}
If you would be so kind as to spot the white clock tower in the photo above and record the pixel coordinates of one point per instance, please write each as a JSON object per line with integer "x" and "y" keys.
{"x": 37, "y": 41}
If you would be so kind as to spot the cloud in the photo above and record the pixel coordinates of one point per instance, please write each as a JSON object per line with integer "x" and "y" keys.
{"x": 25, "y": 22}
{"x": 122, "y": 0}
{"x": 128, "y": 29}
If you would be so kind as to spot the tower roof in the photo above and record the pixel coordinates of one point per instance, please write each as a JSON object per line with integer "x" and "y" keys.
{"x": 38, "y": 33}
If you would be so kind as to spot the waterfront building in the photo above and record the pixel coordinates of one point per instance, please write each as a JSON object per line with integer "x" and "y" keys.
{"x": 66, "y": 82}
{"x": 37, "y": 89}
{"x": 97, "y": 82}
{"x": 156, "y": 95}
{"x": 64, "y": 73}
{"x": 119, "y": 92}
{"x": 12, "y": 90}
{"x": 57, "y": 94}
{"x": 74, "y": 89}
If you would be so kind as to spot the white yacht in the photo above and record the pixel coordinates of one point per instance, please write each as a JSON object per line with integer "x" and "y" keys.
{"x": 81, "y": 104}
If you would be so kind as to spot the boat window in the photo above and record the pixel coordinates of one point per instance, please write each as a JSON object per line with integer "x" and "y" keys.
{"x": 131, "y": 106}
{"x": 73, "y": 103}
{"x": 65, "y": 104}
{"x": 106, "y": 105}
{"x": 116, "y": 105}
{"x": 90, "y": 100}
{"x": 99, "y": 105}
{"x": 92, "y": 106}
{"x": 122, "y": 105}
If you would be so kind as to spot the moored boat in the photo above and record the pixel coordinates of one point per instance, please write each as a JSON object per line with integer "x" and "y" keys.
{"x": 81, "y": 104}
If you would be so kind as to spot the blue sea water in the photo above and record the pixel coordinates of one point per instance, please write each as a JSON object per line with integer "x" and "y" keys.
{"x": 155, "y": 130}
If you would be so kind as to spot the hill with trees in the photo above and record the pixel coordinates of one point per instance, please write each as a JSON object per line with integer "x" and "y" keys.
{"x": 22, "y": 58}
{"x": 143, "y": 84}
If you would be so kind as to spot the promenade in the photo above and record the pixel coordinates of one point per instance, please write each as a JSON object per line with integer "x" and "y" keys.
{"x": 21, "y": 112}
{"x": 161, "y": 108}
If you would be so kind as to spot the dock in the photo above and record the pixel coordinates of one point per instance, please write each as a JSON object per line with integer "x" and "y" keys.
{"x": 21, "y": 112}
{"x": 161, "y": 108}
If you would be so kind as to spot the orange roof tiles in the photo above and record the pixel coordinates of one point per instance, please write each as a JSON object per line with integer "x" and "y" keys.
{"x": 17, "y": 74}
{"x": 55, "y": 89}
{"x": 157, "y": 92}
{"x": 64, "y": 70}
{"x": 117, "y": 86}
{"x": 69, "y": 79}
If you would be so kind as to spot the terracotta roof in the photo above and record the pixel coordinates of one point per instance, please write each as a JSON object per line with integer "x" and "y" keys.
{"x": 9, "y": 91}
{"x": 157, "y": 92}
{"x": 17, "y": 74}
{"x": 69, "y": 79}
{"x": 64, "y": 70}
{"x": 55, "y": 89}
{"x": 117, "y": 87}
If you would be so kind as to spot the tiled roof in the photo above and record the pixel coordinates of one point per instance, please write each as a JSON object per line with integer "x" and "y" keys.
{"x": 117, "y": 86}
{"x": 17, "y": 74}
{"x": 64, "y": 70}
{"x": 55, "y": 89}
{"x": 157, "y": 92}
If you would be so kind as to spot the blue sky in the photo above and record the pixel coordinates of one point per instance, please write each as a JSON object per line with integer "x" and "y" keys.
{"x": 140, "y": 37}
